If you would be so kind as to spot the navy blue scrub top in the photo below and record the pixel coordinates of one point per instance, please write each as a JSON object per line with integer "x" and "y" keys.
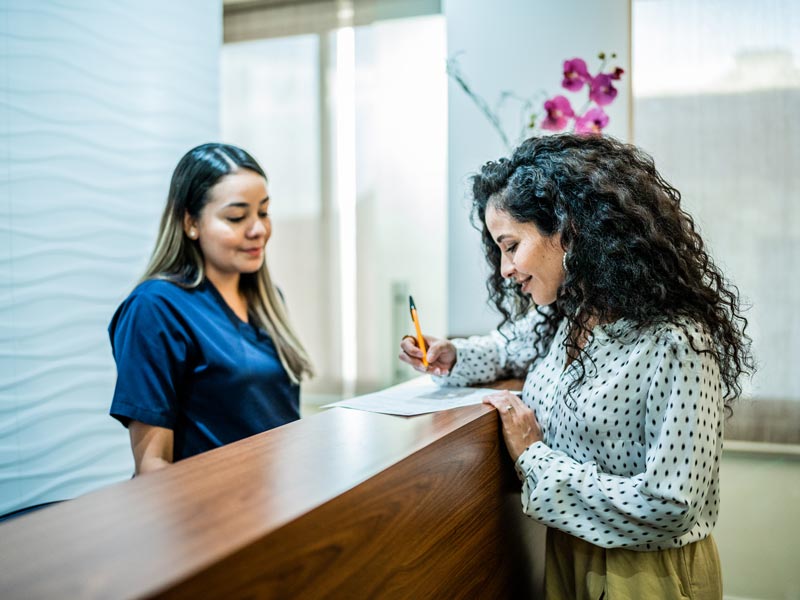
{"x": 186, "y": 362}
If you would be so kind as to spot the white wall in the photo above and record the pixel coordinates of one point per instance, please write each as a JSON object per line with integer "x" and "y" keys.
{"x": 519, "y": 46}
{"x": 98, "y": 101}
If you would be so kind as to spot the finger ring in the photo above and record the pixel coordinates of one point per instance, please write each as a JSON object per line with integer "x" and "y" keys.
{"x": 509, "y": 408}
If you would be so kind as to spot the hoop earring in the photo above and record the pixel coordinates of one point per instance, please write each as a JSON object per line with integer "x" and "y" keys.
{"x": 564, "y": 262}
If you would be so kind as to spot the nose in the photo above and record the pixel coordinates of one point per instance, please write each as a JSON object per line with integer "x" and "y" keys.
{"x": 506, "y": 266}
{"x": 258, "y": 229}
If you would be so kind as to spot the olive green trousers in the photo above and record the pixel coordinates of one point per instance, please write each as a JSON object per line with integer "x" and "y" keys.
{"x": 578, "y": 570}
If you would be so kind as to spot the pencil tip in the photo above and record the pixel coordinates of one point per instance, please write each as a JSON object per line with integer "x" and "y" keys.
{"x": 411, "y": 302}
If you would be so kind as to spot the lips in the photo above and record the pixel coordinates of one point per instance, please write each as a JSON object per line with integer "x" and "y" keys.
{"x": 253, "y": 251}
{"x": 523, "y": 283}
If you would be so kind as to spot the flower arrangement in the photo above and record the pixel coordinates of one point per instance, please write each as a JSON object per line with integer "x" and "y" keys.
{"x": 557, "y": 112}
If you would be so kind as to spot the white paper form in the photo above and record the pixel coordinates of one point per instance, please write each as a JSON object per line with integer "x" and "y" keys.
{"x": 415, "y": 397}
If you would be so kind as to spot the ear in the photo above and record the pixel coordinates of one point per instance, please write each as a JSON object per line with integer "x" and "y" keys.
{"x": 190, "y": 226}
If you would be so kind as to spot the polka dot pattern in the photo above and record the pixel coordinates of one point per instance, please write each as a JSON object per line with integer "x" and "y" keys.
{"x": 630, "y": 458}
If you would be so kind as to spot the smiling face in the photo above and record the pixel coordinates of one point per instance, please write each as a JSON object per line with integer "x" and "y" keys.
{"x": 233, "y": 227}
{"x": 533, "y": 260}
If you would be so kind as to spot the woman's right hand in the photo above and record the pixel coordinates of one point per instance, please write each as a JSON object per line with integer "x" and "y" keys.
{"x": 441, "y": 355}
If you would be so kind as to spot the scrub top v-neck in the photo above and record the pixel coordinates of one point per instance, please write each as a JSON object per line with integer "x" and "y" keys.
{"x": 186, "y": 362}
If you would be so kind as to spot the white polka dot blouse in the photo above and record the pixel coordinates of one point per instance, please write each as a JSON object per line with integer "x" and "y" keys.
{"x": 630, "y": 458}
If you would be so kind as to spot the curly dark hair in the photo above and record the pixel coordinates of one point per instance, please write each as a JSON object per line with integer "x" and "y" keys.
{"x": 632, "y": 252}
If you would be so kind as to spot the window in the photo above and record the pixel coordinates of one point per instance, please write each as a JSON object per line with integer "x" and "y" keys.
{"x": 347, "y": 264}
{"x": 716, "y": 100}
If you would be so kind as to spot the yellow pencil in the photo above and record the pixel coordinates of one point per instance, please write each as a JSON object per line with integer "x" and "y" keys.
{"x": 420, "y": 339}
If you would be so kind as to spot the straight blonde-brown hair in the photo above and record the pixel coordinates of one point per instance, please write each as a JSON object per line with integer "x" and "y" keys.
{"x": 178, "y": 259}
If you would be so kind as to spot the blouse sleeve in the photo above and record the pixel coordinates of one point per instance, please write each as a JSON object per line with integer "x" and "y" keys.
{"x": 504, "y": 353}
{"x": 150, "y": 350}
{"x": 683, "y": 423}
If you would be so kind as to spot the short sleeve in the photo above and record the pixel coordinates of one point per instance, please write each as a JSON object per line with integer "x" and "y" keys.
{"x": 151, "y": 350}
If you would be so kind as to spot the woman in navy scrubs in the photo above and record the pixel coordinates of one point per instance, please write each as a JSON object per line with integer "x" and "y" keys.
{"x": 205, "y": 352}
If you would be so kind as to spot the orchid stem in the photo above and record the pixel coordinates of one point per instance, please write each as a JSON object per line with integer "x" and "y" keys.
{"x": 452, "y": 70}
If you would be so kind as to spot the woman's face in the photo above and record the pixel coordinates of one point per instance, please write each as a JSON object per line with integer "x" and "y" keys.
{"x": 233, "y": 227}
{"x": 533, "y": 260}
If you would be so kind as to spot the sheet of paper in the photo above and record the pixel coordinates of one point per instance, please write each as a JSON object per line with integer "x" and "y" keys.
{"x": 415, "y": 397}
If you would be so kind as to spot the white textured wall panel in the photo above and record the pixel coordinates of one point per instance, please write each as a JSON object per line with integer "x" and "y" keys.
{"x": 98, "y": 101}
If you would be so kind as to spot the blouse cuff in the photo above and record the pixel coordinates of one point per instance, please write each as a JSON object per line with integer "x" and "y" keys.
{"x": 534, "y": 461}
{"x": 458, "y": 375}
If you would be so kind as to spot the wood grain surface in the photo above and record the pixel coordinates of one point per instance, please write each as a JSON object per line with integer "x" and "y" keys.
{"x": 345, "y": 504}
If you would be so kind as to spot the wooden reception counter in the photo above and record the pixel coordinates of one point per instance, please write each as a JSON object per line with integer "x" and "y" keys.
{"x": 344, "y": 504}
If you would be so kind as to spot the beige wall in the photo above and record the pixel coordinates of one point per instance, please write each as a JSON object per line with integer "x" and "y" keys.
{"x": 758, "y": 533}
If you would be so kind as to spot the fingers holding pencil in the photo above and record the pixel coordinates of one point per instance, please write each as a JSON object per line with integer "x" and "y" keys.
{"x": 441, "y": 354}
{"x": 426, "y": 354}
{"x": 412, "y": 354}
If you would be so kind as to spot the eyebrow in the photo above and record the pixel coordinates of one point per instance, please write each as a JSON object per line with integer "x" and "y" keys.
{"x": 245, "y": 204}
{"x": 502, "y": 237}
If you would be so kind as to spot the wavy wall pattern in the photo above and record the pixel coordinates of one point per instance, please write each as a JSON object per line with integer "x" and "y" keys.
{"x": 98, "y": 101}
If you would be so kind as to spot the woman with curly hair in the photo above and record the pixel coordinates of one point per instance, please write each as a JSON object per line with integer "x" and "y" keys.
{"x": 632, "y": 345}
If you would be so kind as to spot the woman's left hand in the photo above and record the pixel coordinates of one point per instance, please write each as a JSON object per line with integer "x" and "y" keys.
{"x": 520, "y": 427}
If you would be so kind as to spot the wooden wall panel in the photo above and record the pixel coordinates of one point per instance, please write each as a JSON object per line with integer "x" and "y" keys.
{"x": 431, "y": 526}
{"x": 344, "y": 504}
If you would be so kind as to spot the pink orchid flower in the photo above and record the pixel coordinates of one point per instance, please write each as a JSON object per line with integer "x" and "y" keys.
{"x": 592, "y": 122}
{"x": 602, "y": 91}
{"x": 559, "y": 112}
{"x": 575, "y": 74}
